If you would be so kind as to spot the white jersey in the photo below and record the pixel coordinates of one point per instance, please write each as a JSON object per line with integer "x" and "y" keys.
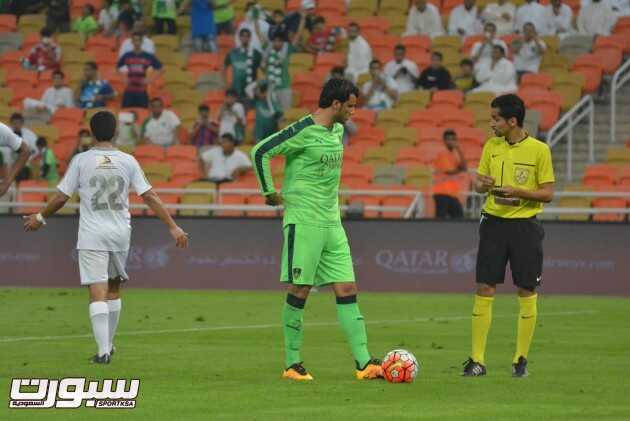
{"x": 103, "y": 177}
{"x": 9, "y": 139}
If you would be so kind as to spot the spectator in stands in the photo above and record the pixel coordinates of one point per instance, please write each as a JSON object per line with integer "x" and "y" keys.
{"x": 204, "y": 132}
{"x": 380, "y": 93}
{"x": 164, "y": 14}
{"x": 107, "y": 18}
{"x": 48, "y": 162}
{"x": 359, "y": 53}
{"x": 134, "y": 66}
{"x": 337, "y": 72}
{"x": 279, "y": 25}
{"x": 448, "y": 165}
{"x": 528, "y": 52}
{"x": 224, "y": 16}
{"x": 306, "y": 14}
{"x": 93, "y": 92}
{"x": 620, "y": 8}
{"x": 559, "y": 18}
{"x": 225, "y": 163}
{"x": 256, "y": 24}
{"x": 322, "y": 39}
{"x": 16, "y": 122}
{"x": 268, "y": 112}
{"x": 498, "y": 75}
{"x": 232, "y": 118}
{"x": 596, "y": 18}
{"x": 276, "y": 66}
{"x": 244, "y": 61}
{"x": 482, "y": 50}
{"x": 502, "y": 15}
{"x": 23, "y": 7}
{"x": 435, "y": 77}
{"x": 58, "y": 15}
{"x": 85, "y": 141}
{"x": 204, "y": 32}
{"x": 128, "y": 131}
{"x": 532, "y": 12}
{"x": 465, "y": 81}
{"x": 85, "y": 25}
{"x": 162, "y": 126}
{"x": 45, "y": 55}
{"x": 404, "y": 71}
{"x": 424, "y": 19}
{"x": 128, "y": 17}
{"x": 147, "y": 45}
{"x": 56, "y": 96}
{"x": 464, "y": 20}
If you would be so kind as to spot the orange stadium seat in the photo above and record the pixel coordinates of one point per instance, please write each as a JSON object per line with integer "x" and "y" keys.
{"x": 337, "y": 21}
{"x": 431, "y": 134}
{"x": 305, "y": 80}
{"x": 356, "y": 173}
{"x": 70, "y": 115}
{"x": 470, "y": 135}
{"x": 416, "y": 42}
{"x": 214, "y": 99}
{"x": 623, "y": 176}
{"x": 309, "y": 98}
{"x": 64, "y": 150}
{"x": 448, "y": 97}
{"x": 134, "y": 199}
{"x": 397, "y": 201}
{"x": 538, "y": 80}
{"x": 610, "y": 58}
{"x": 456, "y": 118}
{"x": 203, "y": 62}
{"x": 423, "y": 118}
{"x": 589, "y": 66}
{"x": 149, "y": 152}
{"x": 470, "y": 41}
{"x": 373, "y": 24}
{"x": 368, "y": 135}
{"x": 183, "y": 153}
{"x": 329, "y": 60}
{"x": 21, "y": 77}
{"x": 186, "y": 172}
{"x": 8, "y": 23}
{"x": 353, "y": 154}
{"x": 329, "y": 7}
{"x": 411, "y": 156}
{"x": 364, "y": 117}
{"x": 598, "y": 175}
{"x": 100, "y": 41}
{"x": 225, "y": 42}
{"x": 258, "y": 200}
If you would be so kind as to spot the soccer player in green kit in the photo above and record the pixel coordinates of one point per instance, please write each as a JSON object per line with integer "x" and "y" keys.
{"x": 316, "y": 250}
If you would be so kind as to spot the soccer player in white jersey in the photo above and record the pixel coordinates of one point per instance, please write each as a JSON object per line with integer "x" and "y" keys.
{"x": 15, "y": 144}
{"x": 103, "y": 176}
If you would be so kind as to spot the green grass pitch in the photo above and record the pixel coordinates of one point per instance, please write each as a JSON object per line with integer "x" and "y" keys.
{"x": 216, "y": 355}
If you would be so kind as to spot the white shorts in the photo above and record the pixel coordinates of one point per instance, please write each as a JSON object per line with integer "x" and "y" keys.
{"x": 100, "y": 266}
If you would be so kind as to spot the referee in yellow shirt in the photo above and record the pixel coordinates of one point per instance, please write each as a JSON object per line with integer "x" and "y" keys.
{"x": 516, "y": 172}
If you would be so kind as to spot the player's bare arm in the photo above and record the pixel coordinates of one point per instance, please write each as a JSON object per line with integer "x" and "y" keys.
{"x": 544, "y": 194}
{"x": 152, "y": 200}
{"x": 23, "y": 154}
{"x": 273, "y": 199}
{"x": 35, "y": 221}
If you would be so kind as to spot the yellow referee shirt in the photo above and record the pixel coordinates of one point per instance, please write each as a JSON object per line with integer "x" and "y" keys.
{"x": 525, "y": 165}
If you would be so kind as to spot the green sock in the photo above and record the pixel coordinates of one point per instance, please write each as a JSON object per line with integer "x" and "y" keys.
{"x": 292, "y": 320}
{"x": 353, "y": 326}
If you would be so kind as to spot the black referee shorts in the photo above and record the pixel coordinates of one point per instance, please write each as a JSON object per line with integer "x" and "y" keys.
{"x": 518, "y": 241}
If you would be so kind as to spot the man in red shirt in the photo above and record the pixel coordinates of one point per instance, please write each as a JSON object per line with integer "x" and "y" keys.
{"x": 45, "y": 55}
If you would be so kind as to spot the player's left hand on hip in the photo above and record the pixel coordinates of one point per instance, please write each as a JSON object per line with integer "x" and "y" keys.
{"x": 180, "y": 236}
{"x": 31, "y": 223}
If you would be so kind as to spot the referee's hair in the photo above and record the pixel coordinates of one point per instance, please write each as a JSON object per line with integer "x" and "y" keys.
{"x": 337, "y": 89}
{"x": 103, "y": 125}
{"x": 509, "y": 106}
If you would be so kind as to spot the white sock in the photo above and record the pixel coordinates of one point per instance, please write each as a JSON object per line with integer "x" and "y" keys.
{"x": 114, "y": 314}
{"x": 99, "y": 316}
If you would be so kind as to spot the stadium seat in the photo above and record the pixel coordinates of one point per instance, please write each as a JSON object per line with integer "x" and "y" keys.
{"x": 304, "y": 80}
{"x": 574, "y": 202}
{"x": 570, "y": 95}
{"x": 623, "y": 176}
{"x": 356, "y": 173}
{"x": 598, "y": 175}
{"x": 70, "y": 115}
{"x": 8, "y": 23}
{"x": 364, "y": 117}
{"x": 575, "y": 45}
{"x": 568, "y": 79}
{"x": 448, "y": 97}
{"x": 455, "y": 118}
{"x": 609, "y": 202}
{"x": 416, "y": 43}
{"x": 362, "y": 8}
{"x": 402, "y": 136}
{"x": 414, "y": 99}
{"x": 149, "y": 152}
{"x": 37, "y": 199}
{"x": 354, "y": 154}
{"x": 470, "y": 136}
{"x": 377, "y": 156}
{"x": 18, "y": 77}
{"x": 552, "y": 42}
{"x": 610, "y": 58}
{"x": 446, "y": 42}
{"x": 309, "y": 98}
{"x": 186, "y": 172}
{"x": 324, "y": 7}
{"x": 396, "y": 201}
{"x": 551, "y": 62}
{"x": 31, "y": 23}
{"x": 303, "y": 61}
{"x": 619, "y": 156}
{"x": 431, "y": 134}
{"x": 392, "y": 8}
{"x": 482, "y": 99}
{"x": 203, "y": 62}
{"x": 368, "y": 135}
{"x": 592, "y": 69}
{"x": 392, "y": 118}
{"x": 185, "y": 153}
{"x": 539, "y": 80}
{"x": 411, "y": 156}
{"x": 197, "y": 198}
{"x": 329, "y": 60}
{"x": 374, "y": 24}
{"x": 419, "y": 176}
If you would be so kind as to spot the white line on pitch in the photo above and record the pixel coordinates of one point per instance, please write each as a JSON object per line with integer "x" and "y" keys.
{"x": 275, "y": 326}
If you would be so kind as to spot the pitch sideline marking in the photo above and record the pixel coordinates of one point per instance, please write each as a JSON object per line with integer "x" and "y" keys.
{"x": 273, "y": 326}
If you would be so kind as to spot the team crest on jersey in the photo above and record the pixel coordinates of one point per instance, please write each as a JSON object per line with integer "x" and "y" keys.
{"x": 297, "y": 272}
{"x": 104, "y": 162}
{"x": 521, "y": 175}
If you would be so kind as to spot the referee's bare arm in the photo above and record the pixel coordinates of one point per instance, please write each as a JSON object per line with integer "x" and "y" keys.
{"x": 544, "y": 193}
{"x": 483, "y": 183}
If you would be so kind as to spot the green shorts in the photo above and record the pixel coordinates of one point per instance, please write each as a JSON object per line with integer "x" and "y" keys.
{"x": 316, "y": 256}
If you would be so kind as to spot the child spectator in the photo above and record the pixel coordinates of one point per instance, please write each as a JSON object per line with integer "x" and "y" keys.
{"x": 86, "y": 25}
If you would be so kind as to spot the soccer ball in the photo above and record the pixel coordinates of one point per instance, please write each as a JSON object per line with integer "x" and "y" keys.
{"x": 400, "y": 366}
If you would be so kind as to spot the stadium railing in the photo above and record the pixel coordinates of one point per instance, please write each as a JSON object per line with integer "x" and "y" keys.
{"x": 566, "y": 126}
{"x": 619, "y": 79}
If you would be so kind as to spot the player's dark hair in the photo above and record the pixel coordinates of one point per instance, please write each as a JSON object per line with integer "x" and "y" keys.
{"x": 400, "y": 47}
{"x": 337, "y": 90}
{"x": 92, "y": 65}
{"x": 16, "y": 116}
{"x": 447, "y": 133}
{"x": 41, "y": 142}
{"x": 157, "y": 99}
{"x": 509, "y": 106}
{"x": 466, "y": 62}
{"x": 46, "y": 33}
{"x": 500, "y": 48}
{"x": 103, "y": 125}
{"x": 490, "y": 24}
{"x": 375, "y": 61}
{"x": 203, "y": 107}
{"x": 244, "y": 31}
{"x": 228, "y": 136}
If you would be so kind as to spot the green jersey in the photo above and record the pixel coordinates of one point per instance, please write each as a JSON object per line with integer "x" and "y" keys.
{"x": 313, "y": 156}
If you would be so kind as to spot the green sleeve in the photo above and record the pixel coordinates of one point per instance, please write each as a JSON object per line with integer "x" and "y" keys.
{"x": 285, "y": 142}
{"x": 50, "y": 158}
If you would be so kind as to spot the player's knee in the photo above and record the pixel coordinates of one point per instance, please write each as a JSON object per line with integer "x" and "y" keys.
{"x": 344, "y": 290}
{"x": 300, "y": 291}
{"x": 98, "y": 292}
{"x": 486, "y": 290}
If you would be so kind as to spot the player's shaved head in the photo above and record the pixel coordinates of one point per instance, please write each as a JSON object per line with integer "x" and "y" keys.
{"x": 103, "y": 125}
